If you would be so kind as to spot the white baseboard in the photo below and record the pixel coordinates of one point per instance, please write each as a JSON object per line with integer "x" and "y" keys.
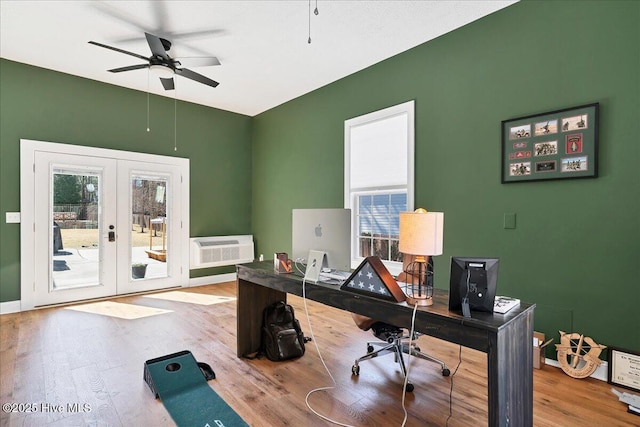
{"x": 212, "y": 280}
{"x": 10, "y": 307}
{"x": 601, "y": 373}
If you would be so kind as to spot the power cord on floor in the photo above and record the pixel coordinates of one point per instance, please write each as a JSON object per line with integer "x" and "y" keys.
{"x": 451, "y": 385}
{"x": 406, "y": 377}
{"x": 315, "y": 342}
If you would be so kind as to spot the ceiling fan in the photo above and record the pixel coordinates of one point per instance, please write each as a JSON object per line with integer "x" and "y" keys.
{"x": 165, "y": 65}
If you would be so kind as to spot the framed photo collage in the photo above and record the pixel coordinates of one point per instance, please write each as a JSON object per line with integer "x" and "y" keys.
{"x": 554, "y": 145}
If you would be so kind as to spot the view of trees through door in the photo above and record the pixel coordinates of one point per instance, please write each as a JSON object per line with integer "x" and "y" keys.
{"x": 149, "y": 226}
{"x": 76, "y": 236}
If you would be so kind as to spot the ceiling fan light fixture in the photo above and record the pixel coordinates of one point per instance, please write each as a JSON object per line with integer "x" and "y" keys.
{"x": 161, "y": 71}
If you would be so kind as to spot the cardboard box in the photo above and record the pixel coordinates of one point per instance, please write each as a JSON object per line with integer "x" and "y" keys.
{"x": 538, "y": 349}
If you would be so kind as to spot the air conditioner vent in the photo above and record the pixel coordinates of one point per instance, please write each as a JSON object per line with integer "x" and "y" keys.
{"x": 216, "y": 251}
{"x": 220, "y": 243}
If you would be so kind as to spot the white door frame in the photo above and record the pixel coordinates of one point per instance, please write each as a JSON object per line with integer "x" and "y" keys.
{"x": 28, "y": 149}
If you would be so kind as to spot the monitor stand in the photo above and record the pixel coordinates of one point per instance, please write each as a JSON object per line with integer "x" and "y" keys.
{"x": 315, "y": 262}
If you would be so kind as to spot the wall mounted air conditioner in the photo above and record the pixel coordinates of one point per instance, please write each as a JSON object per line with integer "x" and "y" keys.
{"x": 216, "y": 251}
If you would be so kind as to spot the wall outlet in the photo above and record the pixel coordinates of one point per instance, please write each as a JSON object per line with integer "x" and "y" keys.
{"x": 12, "y": 217}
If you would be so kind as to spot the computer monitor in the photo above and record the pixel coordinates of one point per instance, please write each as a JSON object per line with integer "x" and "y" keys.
{"x": 473, "y": 280}
{"x": 327, "y": 230}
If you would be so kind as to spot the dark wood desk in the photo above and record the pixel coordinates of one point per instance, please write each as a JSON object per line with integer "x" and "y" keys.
{"x": 506, "y": 338}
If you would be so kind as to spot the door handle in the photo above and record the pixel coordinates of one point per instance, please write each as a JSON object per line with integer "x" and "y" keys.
{"x": 112, "y": 234}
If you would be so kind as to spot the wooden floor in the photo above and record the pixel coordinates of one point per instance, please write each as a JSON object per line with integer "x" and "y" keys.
{"x": 58, "y": 356}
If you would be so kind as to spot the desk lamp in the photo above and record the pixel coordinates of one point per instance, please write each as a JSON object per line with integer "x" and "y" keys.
{"x": 421, "y": 234}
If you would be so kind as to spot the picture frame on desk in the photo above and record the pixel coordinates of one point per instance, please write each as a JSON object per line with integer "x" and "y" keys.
{"x": 624, "y": 368}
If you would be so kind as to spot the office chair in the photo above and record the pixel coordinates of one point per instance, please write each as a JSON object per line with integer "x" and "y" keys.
{"x": 394, "y": 340}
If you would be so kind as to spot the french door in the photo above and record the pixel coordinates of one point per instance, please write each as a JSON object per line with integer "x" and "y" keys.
{"x": 104, "y": 223}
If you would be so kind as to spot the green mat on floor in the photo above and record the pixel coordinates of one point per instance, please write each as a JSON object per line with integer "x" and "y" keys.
{"x": 181, "y": 386}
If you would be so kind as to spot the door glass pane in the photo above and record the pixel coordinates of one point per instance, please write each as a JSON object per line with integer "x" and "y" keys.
{"x": 76, "y": 232}
{"x": 149, "y": 227}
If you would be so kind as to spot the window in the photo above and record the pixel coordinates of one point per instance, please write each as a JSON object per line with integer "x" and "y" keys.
{"x": 379, "y": 181}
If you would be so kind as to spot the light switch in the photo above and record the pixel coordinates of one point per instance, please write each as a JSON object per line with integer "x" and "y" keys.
{"x": 509, "y": 220}
{"x": 12, "y": 217}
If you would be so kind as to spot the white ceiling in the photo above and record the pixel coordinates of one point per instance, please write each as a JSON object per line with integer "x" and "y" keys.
{"x": 262, "y": 45}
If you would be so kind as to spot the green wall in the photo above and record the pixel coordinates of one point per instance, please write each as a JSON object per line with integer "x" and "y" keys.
{"x": 575, "y": 251}
{"x": 49, "y": 106}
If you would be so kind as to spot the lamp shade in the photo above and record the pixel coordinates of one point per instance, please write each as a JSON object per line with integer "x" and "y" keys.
{"x": 421, "y": 232}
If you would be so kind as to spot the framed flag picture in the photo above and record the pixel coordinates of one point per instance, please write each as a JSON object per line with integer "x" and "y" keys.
{"x": 553, "y": 145}
{"x": 372, "y": 278}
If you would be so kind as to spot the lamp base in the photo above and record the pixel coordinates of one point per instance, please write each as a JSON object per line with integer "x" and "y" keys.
{"x": 421, "y": 302}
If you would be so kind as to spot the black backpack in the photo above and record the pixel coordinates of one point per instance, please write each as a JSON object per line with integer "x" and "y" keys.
{"x": 282, "y": 337}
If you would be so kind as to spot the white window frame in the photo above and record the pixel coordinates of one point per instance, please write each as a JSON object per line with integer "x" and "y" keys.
{"x": 350, "y": 194}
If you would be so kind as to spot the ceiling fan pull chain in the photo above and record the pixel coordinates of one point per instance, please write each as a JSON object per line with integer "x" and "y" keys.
{"x": 148, "y": 72}
{"x": 315, "y": 12}
{"x": 309, "y": 40}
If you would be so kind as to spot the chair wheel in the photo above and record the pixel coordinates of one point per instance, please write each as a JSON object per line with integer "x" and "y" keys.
{"x": 370, "y": 349}
{"x": 409, "y": 387}
{"x": 355, "y": 370}
{"x": 446, "y": 372}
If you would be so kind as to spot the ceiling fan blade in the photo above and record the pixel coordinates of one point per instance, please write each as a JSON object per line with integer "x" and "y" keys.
{"x": 133, "y": 21}
{"x": 119, "y": 50}
{"x": 167, "y": 83}
{"x": 160, "y": 25}
{"x": 156, "y": 46}
{"x": 176, "y": 37}
{"x": 159, "y": 10}
{"x": 196, "y": 77}
{"x": 129, "y": 68}
{"x": 197, "y": 34}
{"x": 197, "y": 61}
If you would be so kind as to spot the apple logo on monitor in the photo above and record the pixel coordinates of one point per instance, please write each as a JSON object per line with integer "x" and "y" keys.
{"x": 318, "y": 231}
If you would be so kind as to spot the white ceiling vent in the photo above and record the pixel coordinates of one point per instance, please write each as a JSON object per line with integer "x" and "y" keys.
{"x": 216, "y": 251}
